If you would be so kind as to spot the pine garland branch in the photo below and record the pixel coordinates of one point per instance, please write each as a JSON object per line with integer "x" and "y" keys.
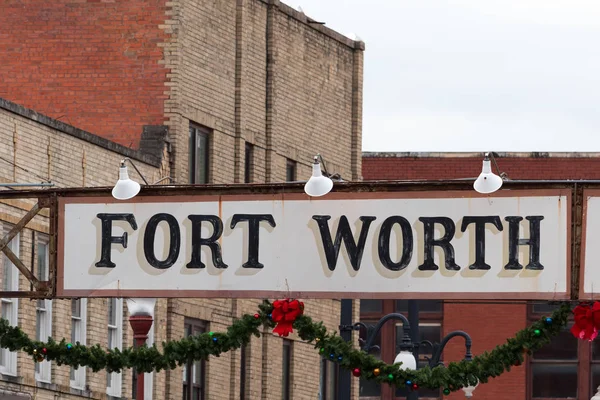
{"x": 330, "y": 345}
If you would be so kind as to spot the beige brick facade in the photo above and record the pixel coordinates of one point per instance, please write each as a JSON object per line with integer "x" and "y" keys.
{"x": 250, "y": 71}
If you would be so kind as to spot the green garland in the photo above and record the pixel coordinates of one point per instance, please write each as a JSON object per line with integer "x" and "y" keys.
{"x": 175, "y": 353}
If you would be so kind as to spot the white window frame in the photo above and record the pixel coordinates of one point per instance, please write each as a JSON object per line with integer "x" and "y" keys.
{"x": 43, "y": 370}
{"x": 8, "y": 359}
{"x": 114, "y": 379}
{"x": 77, "y": 375}
{"x": 149, "y": 376}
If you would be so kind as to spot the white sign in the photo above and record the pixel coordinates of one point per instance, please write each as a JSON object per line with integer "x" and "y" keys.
{"x": 460, "y": 245}
{"x": 589, "y": 282}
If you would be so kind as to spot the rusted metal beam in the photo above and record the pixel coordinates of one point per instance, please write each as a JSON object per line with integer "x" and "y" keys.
{"x": 21, "y": 267}
{"x": 19, "y": 226}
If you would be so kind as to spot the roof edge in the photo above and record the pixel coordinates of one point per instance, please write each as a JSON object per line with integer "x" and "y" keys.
{"x": 139, "y": 155}
{"x": 316, "y": 25}
{"x": 383, "y": 154}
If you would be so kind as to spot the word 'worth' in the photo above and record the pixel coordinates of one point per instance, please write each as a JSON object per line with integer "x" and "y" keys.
{"x": 331, "y": 246}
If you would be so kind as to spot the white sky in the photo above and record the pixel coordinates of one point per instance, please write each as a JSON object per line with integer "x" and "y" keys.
{"x": 475, "y": 75}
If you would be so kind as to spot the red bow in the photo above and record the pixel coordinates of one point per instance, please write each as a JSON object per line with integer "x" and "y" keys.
{"x": 284, "y": 314}
{"x": 587, "y": 321}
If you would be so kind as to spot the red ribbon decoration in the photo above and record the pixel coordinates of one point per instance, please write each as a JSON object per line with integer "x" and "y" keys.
{"x": 587, "y": 321}
{"x": 284, "y": 314}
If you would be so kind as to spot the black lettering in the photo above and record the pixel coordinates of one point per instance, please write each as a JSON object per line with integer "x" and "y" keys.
{"x": 108, "y": 238}
{"x": 331, "y": 249}
{"x": 533, "y": 242}
{"x": 253, "y": 235}
{"x": 174, "y": 241}
{"x": 383, "y": 244}
{"x": 198, "y": 241}
{"x": 444, "y": 242}
{"x": 480, "y": 237}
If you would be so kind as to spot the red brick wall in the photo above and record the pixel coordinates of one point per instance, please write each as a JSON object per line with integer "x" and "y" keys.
{"x": 489, "y": 326}
{"x": 92, "y": 64}
{"x": 391, "y": 168}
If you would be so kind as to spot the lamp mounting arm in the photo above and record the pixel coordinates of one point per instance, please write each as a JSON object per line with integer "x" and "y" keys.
{"x": 336, "y": 176}
{"x": 492, "y": 156}
{"x": 438, "y": 348}
{"x": 136, "y": 169}
{"x": 406, "y": 342}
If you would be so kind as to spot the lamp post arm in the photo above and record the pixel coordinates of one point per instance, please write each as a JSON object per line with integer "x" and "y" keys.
{"x": 136, "y": 169}
{"x": 439, "y": 348}
{"x": 406, "y": 342}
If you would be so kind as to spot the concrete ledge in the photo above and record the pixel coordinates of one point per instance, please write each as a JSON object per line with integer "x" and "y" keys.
{"x": 383, "y": 154}
{"x": 308, "y": 21}
{"x": 147, "y": 158}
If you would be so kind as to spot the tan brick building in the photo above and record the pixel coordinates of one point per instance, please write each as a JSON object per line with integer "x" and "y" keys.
{"x": 202, "y": 91}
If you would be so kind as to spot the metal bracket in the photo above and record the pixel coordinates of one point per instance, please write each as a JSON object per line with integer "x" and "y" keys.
{"x": 12, "y": 256}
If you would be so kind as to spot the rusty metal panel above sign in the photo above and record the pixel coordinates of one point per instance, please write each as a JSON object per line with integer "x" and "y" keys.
{"x": 452, "y": 244}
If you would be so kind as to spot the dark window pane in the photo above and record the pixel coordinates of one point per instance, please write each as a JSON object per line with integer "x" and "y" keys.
{"x": 248, "y": 161}
{"x": 370, "y": 306}
{"x": 198, "y": 157}
{"x": 544, "y": 308}
{"x": 562, "y": 347}
{"x": 369, "y": 388}
{"x": 596, "y": 351}
{"x": 424, "y": 305}
{"x": 290, "y": 171}
{"x": 286, "y": 370}
{"x": 201, "y": 158}
{"x": 556, "y": 381}
{"x": 595, "y": 378}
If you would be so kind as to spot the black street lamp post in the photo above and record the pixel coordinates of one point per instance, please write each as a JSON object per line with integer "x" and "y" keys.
{"x": 408, "y": 343}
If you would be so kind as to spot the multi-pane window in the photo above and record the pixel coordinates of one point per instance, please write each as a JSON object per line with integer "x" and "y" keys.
{"x": 199, "y": 150}
{"x": 561, "y": 369}
{"x": 286, "y": 378}
{"x": 329, "y": 375}
{"x": 43, "y": 309}
{"x": 10, "y": 306}
{"x": 390, "y": 338}
{"x": 248, "y": 162}
{"x": 78, "y": 335}
{"x": 194, "y": 372}
{"x": 115, "y": 340}
{"x": 290, "y": 170}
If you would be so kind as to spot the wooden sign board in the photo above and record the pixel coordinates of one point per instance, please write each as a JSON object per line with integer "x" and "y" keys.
{"x": 514, "y": 244}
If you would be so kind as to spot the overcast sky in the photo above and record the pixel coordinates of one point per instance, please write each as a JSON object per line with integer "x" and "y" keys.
{"x": 475, "y": 75}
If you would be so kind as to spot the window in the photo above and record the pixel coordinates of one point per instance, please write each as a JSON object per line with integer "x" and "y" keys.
{"x": 286, "y": 370}
{"x": 561, "y": 369}
{"x": 390, "y": 337}
{"x": 194, "y": 372}
{"x": 329, "y": 375}
{"x": 115, "y": 340}
{"x": 148, "y": 377}
{"x": 10, "y": 306}
{"x": 248, "y": 163}
{"x": 199, "y": 141}
{"x": 243, "y": 361}
{"x": 290, "y": 170}
{"x": 78, "y": 335}
{"x": 43, "y": 370}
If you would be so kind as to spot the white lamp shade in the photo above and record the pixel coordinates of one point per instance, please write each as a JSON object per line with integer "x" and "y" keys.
{"x": 141, "y": 306}
{"x": 407, "y": 359}
{"x": 469, "y": 390}
{"x": 318, "y": 185}
{"x": 125, "y": 188}
{"x": 597, "y": 395}
{"x": 487, "y": 182}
